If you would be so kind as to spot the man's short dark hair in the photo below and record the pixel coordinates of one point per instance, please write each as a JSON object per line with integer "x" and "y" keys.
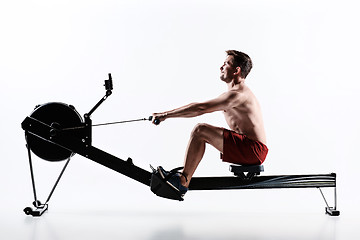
{"x": 241, "y": 60}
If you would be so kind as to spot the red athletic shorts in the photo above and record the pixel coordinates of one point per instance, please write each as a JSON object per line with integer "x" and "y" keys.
{"x": 241, "y": 150}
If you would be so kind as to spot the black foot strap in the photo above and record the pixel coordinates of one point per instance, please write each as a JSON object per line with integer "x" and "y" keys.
{"x": 175, "y": 171}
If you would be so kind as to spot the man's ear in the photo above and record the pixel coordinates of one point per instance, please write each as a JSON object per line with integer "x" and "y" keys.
{"x": 237, "y": 71}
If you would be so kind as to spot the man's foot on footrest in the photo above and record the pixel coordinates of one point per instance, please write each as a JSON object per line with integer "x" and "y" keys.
{"x": 173, "y": 179}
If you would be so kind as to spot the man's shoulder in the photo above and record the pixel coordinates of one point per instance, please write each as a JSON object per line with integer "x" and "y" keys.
{"x": 234, "y": 97}
{"x": 241, "y": 92}
{"x": 230, "y": 94}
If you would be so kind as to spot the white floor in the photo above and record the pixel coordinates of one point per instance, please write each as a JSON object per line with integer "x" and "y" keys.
{"x": 157, "y": 224}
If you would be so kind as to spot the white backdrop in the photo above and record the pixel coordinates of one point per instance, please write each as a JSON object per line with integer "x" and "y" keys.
{"x": 163, "y": 54}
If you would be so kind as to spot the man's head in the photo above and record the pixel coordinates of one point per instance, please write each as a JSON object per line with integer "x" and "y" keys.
{"x": 241, "y": 60}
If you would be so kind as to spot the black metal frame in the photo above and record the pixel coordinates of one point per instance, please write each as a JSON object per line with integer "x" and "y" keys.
{"x": 66, "y": 138}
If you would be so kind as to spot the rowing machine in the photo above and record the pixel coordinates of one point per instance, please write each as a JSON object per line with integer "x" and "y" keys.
{"x": 56, "y": 132}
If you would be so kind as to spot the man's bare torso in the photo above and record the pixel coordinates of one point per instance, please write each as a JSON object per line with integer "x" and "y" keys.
{"x": 244, "y": 116}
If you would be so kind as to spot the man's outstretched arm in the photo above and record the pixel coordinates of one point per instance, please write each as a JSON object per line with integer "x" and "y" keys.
{"x": 223, "y": 102}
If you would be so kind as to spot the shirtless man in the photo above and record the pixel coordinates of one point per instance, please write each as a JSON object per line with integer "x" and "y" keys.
{"x": 243, "y": 144}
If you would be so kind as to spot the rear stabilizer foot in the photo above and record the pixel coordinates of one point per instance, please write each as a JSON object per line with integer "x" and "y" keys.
{"x": 331, "y": 211}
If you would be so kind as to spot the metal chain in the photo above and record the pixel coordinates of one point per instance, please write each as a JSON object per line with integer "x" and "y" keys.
{"x": 110, "y": 123}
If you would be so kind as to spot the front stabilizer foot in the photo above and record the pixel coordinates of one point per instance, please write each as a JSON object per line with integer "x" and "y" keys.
{"x": 40, "y": 210}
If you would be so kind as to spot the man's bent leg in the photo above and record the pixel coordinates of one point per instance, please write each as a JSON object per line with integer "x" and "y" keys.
{"x": 202, "y": 134}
